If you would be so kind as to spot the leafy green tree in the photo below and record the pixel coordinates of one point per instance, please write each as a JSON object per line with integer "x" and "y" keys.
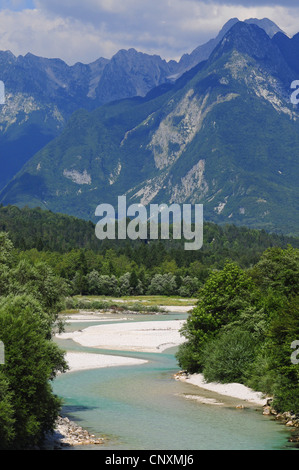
{"x": 189, "y": 286}
{"x": 6, "y": 250}
{"x": 225, "y": 295}
{"x": 108, "y": 285}
{"x": 124, "y": 285}
{"x": 277, "y": 274}
{"x": 43, "y": 284}
{"x": 273, "y": 371}
{"x": 32, "y": 360}
{"x": 80, "y": 284}
{"x": 278, "y": 270}
{"x": 134, "y": 283}
{"x": 227, "y": 357}
{"x": 93, "y": 282}
{"x": 30, "y": 299}
{"x": 163, "y": 284}
{"x": 7, "y": 420}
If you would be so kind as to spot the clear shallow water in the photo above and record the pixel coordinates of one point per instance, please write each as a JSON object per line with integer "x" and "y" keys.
{"x": 144, "y": 408}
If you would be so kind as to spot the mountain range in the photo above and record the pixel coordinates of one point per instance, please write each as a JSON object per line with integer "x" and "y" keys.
{"x": 216, "y": 128}
{"x": 42, "y": 94}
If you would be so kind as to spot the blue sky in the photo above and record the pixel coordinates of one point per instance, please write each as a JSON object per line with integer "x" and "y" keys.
{"x": 84, "y": 30}
{"x": 17, "y": 5}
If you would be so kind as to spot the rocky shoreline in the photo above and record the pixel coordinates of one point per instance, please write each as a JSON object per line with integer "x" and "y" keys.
{"x": 69, "y": 434}
{"x": 288, "y": 418}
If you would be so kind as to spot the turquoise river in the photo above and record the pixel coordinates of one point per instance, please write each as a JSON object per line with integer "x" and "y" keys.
{"x": 144, "y": 408}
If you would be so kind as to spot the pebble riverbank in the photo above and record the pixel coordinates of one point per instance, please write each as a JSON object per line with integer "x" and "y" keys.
{"x": 289, "y": 419}
{"x": 69, "y": 434}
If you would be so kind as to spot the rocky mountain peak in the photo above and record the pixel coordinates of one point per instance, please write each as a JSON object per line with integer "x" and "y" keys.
{"x": 267, "y": 25}
{"x": 252, "y": 41}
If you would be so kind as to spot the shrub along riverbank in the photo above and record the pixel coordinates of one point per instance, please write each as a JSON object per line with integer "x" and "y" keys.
{"x": 244, "y": 325}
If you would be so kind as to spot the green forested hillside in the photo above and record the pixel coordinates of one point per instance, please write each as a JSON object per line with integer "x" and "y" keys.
{"x": 70, "y": 247}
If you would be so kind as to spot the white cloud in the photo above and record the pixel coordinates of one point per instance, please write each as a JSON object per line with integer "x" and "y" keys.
{"x": 34, "y": 31}
{"x": 84, "y": 31}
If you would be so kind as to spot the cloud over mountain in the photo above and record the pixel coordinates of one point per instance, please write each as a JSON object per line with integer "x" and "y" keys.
{"x": 83, "y": 31}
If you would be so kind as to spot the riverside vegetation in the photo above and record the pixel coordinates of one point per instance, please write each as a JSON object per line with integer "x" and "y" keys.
{"x": 244, "y": 325}
{"x": 246, "y": 318}
{"x": 30, "y": 300}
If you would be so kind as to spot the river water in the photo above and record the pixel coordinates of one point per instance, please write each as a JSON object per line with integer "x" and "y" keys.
{"x": 144, "y": 408}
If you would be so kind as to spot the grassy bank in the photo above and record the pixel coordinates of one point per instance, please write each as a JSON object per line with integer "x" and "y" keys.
{"x": 139, "y": 304}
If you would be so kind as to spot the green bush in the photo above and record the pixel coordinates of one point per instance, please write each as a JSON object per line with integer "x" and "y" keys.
{"x": 188, "y": 357}
{"x": 227, "y": 357}
{"x": 226, "y": 295}
{"x": 7, "y": 420}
